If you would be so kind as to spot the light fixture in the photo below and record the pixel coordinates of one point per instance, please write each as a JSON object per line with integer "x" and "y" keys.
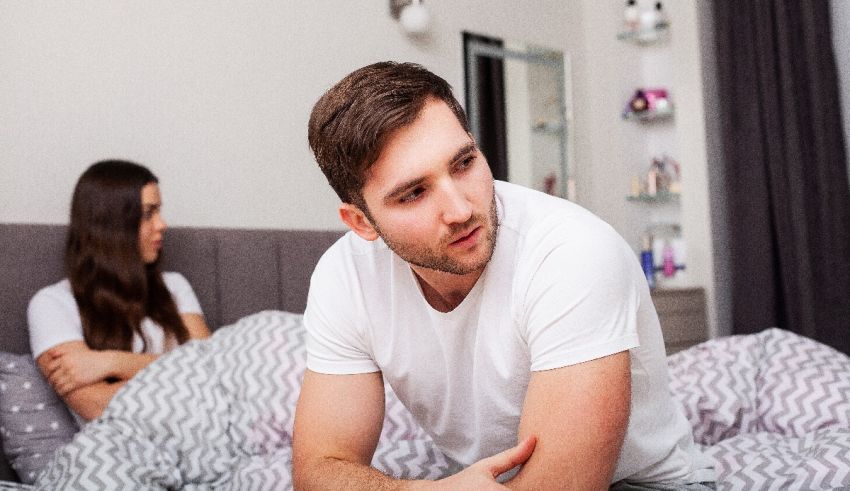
{"x": 412, "y": 15}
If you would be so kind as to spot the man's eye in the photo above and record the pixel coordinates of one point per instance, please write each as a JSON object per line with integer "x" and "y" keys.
{"x": 465, "y": 163}
{"x": 412, "y": 195}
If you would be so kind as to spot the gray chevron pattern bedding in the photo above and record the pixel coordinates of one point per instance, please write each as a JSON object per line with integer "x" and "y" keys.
{"x": 219, "y": 414}
{"x": 772, "y": 409}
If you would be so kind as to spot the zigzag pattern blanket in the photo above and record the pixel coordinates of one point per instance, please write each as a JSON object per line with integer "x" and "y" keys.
{"x": 772, "y": 409}
{"x": 219, "y": 414}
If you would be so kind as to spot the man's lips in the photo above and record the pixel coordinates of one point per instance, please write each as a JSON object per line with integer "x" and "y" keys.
{"x": 467, "y": 238}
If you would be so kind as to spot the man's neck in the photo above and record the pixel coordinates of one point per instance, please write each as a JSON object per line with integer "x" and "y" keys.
{"x": 445, "y": 291}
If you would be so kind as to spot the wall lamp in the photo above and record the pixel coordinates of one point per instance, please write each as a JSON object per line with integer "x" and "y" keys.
{"x": 412, "y": 15}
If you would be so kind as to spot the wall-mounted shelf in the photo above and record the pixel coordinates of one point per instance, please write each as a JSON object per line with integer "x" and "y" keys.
{"x": 646, "y": 37}
{"x": 659, "y": 197}
{"x": 649, "y": 116}
{"x": 548, "y": 127}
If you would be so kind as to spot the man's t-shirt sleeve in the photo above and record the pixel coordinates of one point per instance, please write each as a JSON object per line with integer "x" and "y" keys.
{"x": 335, "y": 318}
{"x": 578, "y": 297}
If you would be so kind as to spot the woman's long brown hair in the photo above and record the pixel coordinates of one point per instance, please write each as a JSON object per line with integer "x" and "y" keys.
{"x": 113, "y": 287}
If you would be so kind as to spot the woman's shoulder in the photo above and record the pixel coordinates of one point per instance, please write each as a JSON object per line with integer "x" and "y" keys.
{"x": 61, "y": 290}
{"x": 175, "y": 282}
{"x": 182, "y": 292}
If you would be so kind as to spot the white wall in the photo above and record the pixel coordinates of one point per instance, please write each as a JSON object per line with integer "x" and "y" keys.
{"x": 610, "y": 151}
{"x": 214, "y": 96}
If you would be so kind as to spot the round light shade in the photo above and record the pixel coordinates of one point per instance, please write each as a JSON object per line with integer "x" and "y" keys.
{"x": 414, "y": 18}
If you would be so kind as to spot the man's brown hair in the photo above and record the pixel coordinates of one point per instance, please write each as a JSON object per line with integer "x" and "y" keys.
{"x": 351, "y": 122}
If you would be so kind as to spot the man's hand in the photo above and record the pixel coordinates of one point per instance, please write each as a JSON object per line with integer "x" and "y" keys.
{"x": 483, "y": 474}
{"x": 70, "y": 366}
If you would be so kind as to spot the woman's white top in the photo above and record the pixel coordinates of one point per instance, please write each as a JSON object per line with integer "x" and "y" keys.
{"x": 54, "y": 318}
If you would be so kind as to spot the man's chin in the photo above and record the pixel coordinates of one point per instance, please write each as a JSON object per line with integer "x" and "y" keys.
{"x": 447, "y": 265}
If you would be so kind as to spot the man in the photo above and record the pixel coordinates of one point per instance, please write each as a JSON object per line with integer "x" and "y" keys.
{"x": 497, "y": 314}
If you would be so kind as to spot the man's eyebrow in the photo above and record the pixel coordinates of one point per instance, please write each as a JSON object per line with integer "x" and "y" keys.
{"x": 403, "y": 187}
{"x": 462, "y": 151}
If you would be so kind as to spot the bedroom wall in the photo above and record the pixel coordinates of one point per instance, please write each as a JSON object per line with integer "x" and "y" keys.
{"x": 213, "y": 95}
{"x": 617, "y": 150}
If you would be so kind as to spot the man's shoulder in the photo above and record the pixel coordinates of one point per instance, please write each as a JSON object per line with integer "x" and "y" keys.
{"x": 541, "y": 221}
{"x": 353, "y": 248}
{"x": 351, "y": 254}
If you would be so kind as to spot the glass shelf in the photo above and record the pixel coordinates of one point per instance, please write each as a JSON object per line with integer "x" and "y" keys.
{"x": 646, "y": 37}
{"x": 648, "y": 116}
{"x": 659, "y": 197}
{"x": 548, "y": 127}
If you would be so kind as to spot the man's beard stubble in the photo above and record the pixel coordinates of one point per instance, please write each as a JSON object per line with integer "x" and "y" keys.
{"x": 425, "y": 257}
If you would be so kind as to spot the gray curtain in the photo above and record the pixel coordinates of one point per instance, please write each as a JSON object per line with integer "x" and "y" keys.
{"x": 785, "y": 168}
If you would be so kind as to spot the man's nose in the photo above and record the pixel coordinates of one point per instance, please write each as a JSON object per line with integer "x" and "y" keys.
{"x": 456, "y": 206}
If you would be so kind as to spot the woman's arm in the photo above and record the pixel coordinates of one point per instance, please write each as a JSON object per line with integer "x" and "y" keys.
{"x": 196, "y": 325}
{"x": 79, "y": 375}
{"x": 90, "y": 401}
{"x": 125, "y": 365}
{"x": 69, "y": 366}
{"x": 87, "y": 379}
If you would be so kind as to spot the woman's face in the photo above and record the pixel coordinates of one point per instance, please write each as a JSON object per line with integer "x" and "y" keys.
{"x": 152, "y": 226}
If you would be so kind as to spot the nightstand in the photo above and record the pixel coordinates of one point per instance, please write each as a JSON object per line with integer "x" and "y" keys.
{"x": 681, "y": 312}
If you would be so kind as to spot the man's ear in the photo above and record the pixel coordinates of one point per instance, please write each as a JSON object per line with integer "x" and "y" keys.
{"x": 356, "y": 220}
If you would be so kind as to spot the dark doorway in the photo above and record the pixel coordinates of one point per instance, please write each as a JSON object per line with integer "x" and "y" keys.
{"x": 491, "y": 104}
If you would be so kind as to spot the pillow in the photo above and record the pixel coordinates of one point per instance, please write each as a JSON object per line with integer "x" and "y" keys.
{"x": 34, "y": 421}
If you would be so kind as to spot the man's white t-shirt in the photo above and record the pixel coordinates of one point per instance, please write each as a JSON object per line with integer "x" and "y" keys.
{"x": 54, "y": 318}
{"x": 562, "y": 288}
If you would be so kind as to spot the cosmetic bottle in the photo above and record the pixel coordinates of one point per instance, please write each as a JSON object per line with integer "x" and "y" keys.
{"x": 646, "y": 260}
{"x": 631, "y": 16}
{"x": 661, "y": 16}
{"x": 652, "y": 182}
{"x": 649, "y": 19}
{"x": 668, "y": 260}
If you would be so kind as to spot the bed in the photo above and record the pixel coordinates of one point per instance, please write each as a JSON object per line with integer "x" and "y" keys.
{"x": 772, "y": 409}
{"x": 234, "y": 273}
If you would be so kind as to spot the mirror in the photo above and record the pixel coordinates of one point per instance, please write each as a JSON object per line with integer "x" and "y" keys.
{"x": 516, "y": 102}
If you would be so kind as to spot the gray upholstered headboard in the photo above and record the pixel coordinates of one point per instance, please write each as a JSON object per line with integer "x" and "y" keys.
{"x": 234, "y": 272}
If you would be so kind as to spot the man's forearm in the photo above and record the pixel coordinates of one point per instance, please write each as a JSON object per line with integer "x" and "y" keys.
{"x": 331, "y": 473}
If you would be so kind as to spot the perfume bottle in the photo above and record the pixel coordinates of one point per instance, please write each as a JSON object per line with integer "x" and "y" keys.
{"x": 668, "y": 260}
{"x": 631, "y": 16}
{"x": 661, "y": 20}
{"x": 646, "y": 260}
{"x": 649, "y": 18}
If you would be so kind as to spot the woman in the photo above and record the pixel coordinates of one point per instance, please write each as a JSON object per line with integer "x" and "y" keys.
{"x": 115, "y": 312}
